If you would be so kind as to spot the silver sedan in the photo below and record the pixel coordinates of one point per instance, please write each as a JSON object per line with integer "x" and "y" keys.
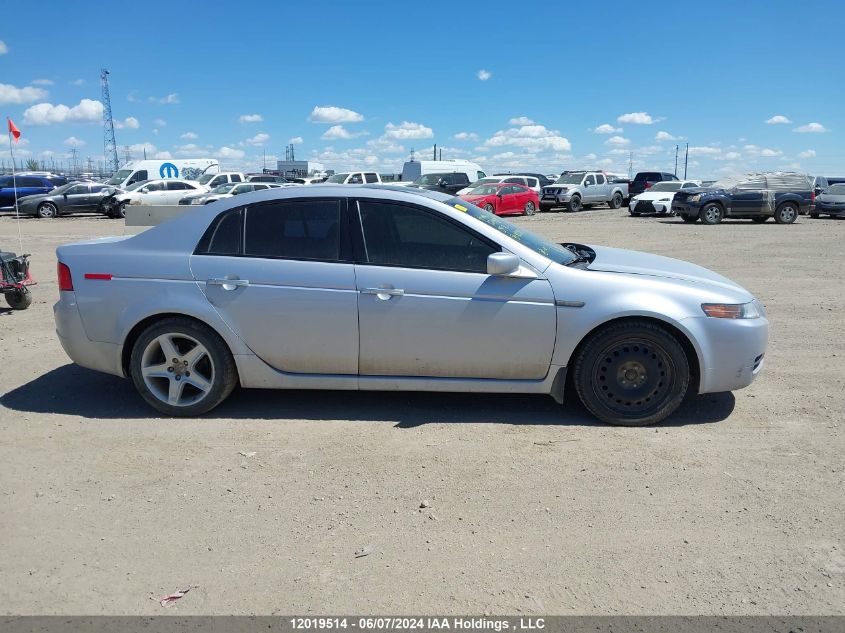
{"x": 386, "y": 288}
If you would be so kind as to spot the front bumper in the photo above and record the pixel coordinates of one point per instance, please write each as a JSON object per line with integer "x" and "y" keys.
{"x": 680, "y": 208}
{"x": 95, "y": 355}
{"x": 554, "y": 200}
{"x": 731, "y": 351}
{"x": 650, "y": 206}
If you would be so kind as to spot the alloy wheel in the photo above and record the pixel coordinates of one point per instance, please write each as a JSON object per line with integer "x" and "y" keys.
{"x": 177, "y": 369}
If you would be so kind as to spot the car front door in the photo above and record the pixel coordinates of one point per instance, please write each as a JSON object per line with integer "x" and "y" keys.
{"x": 75, "y": 198}
{"x": 279, "y": 273}
{"x": 509, "y": 201}
{"x": 428, "y": 308}
{"x": 747, "y": 201}
{"x": 589, "y": 189}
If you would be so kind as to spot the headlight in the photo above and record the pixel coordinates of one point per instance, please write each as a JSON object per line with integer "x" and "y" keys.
{"x": 695, "y": 198}
{"x": 635, "y": 199}
{"x": 732, "y": 310}
{"x": 664, "y": 199}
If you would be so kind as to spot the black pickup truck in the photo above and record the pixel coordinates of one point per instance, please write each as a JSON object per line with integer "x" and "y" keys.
{"x": 757, "y": 197}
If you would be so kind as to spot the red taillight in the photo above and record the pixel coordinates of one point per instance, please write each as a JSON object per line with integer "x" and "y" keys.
{"x": 65, "y": 280}
{"x": 812, "y": 197}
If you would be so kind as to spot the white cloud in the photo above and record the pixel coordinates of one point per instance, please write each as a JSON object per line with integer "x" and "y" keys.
{"x": 140, "y": 148}
{"x": 637, "y": 118}
{"x": 295, "y": 140}
{"x": 521, "y": 120}
{"x": 3, "y": 48}
{"x": 618, "y": 141}
{"x": 807, "y": 153}
{"x": 42, "y": 82}
{"x": 778, "y": 119}
{"x": 531, "y": 138}
{"x": 333, "y": 114}
{"x": 230, "y": 153}
{"x": 160, "y": 123}
{"x": 78, "y": 82}
{"x": 250, "y": 118}
{"x": 607, "y": 128}
{"x": 665, "y": 136}
{"x": 191, "y": 149}
{"x": 408, "y": 130}
{"x": 74, "y": 142}
{"x": 753, "y": 151}
{"x": 386, "y": 146}
{"x": 337, "y": 132}
{"x": 13, "y": 94}
{"x": 189, "y": 136}
{"x": 172, "y": 98}
{"x": 817, "y": 128}
{"x": 258, "y": 139}
{"x": 469, "y": 136}
{"x": 704, "y": 151}
{"x": 163, "y": 155}
{"x": 129, "y": 122}
{"x": 729, "y": 156}
{"x": 86, "y": 111}
{"x": 484, "y": 75}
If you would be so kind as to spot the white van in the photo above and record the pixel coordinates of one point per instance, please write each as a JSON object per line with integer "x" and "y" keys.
{"x": 413, "y": 169}
{"x": 184, "y": 168}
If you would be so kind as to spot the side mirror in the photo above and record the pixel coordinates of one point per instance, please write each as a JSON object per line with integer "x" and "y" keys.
{"x": 502, "y": 264}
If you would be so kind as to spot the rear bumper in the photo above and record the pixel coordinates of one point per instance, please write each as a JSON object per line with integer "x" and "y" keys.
{"x": 828, "y": 210}
{"x": 95, "y": 355}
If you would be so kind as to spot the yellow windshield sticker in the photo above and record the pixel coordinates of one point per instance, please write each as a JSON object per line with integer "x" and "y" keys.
{"x": 461, "y": 208}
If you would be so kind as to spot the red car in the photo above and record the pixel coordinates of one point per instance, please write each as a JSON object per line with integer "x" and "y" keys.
{"x": 503, "y": 198}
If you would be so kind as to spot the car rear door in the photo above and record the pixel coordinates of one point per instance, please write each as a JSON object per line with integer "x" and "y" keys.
{"x": 279, "y": 273}
{"x": 428, "y": 308}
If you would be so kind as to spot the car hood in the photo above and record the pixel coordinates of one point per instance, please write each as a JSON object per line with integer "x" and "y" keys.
{"x": 617, "y": 260}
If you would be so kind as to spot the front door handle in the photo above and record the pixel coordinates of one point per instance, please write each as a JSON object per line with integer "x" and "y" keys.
{"x": 227, "y": 284}
{"x": 383, "y": 293}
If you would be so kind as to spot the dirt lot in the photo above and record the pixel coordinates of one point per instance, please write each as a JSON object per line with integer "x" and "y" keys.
{"x": 736, "y": 507}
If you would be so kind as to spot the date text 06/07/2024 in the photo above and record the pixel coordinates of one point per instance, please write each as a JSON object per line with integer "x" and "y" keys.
{"x": 417, "y": 623}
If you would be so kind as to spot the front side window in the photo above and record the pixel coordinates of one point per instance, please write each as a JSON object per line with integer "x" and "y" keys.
{"x": 296, "y": 229}
{"x": 400, "y": 235}
{"x": 356, "y": 179}
{"x": 590, "y": 181}
{"x": 154, "y": 186}
{"x": 138, "y": 176}
{"x": 479, "y": 175}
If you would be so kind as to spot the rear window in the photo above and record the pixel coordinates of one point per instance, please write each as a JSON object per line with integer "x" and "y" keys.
{"x": 647, "y": 175}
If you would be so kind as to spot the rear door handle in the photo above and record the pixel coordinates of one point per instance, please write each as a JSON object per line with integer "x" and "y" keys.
{"x": 383, "y": 293}
{"x": 227, "y": 284}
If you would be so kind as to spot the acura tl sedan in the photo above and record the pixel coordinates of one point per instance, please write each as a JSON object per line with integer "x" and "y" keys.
{"x": 388, "y": 288}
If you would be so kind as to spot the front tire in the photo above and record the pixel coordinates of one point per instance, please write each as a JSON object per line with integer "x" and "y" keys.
{"x": 19, "y": 299}
{"x": 489, "y": 208}
{"x": 631, "y": 373}
{"x": 711, "y": 213}
{"x": 47, "y": 210}
{"x": 574, "y": 203}
{"x": 786, "y": 213}
{"x": 182, "y": 368}
{"x": 120, "y": 211}
{"x": 615, "y": 201}
{"x": 529, "y": 208}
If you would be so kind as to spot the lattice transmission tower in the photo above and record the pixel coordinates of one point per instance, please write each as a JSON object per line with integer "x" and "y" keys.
{"x": 109, "y": 144}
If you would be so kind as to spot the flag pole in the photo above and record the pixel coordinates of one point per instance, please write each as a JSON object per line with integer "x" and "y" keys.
{"x": 15, "y": 188}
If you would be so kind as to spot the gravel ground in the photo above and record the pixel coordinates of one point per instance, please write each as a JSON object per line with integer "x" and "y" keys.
{"x": 734, "y": 507}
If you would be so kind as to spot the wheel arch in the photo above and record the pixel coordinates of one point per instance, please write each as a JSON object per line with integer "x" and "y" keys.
{"x": 136, "y": 330}
{"x": 683, "y": 338}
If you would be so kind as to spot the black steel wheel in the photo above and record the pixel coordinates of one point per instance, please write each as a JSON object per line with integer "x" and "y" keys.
{"x": 574, "y": 203}
{"x": 632, "y": 373}
{"x": 615, "y": 201}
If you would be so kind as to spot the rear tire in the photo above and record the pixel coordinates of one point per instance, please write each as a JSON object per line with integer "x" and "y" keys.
{"x": 786, "y": 213}
{"x": 19, "y": 299}
{"x": 574, "y": 203}
{"x": 615, "y": 201}
{"x": 165, "y": 356}
{"x": 632, "y": 373}
{"x": 711, "y": 213}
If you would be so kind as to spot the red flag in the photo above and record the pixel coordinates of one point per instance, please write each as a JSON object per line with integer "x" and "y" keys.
{"x": 13, "y": 130}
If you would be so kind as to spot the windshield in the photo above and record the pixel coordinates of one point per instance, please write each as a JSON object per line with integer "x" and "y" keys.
{"x": 119, "y": 177}
{"x": 429, "y": 179}
{"x": 836, "y": 190}
{"x": 223, "y": 188}
{"x": 669, "y": 185}
{"x": 338, "y": 178}
{"x": 541, "y": 245}
{"x": 484, "y": 190}
{"x": 573, "y": 178}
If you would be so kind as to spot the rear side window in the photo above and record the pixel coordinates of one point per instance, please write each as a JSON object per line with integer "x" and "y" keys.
{"x": 28, "y": 181}
{"x": 296, "y": 229}
{"x": 236, "y": 178}
{"x": 371, "y": 177}
{"x": 224, "y": 235}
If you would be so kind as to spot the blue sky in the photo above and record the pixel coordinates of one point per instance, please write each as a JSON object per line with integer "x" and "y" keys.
{"x": 540, "y": 86}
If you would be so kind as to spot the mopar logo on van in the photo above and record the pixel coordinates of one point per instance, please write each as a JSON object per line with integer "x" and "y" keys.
{"x": 168, "y": 170}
